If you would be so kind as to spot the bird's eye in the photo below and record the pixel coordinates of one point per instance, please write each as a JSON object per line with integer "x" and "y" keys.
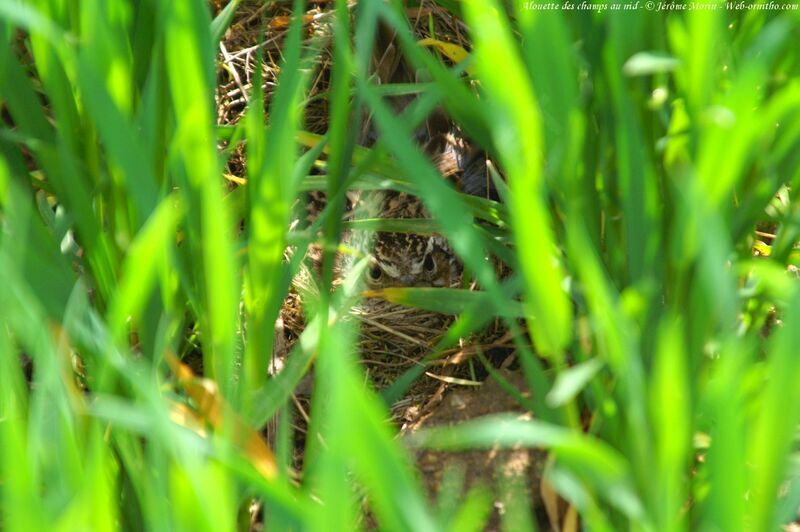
{"x": 429, "y": 263}
{"x": 375, "y": 272}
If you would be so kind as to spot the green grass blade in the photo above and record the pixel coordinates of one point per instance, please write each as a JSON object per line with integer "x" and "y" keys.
{"x": 272, "y": 157}
{"x": 517, "y": 134}
{"x": 670, "y": 410}
{"x": 188, "y": 57}
{"x": 223, "y": 20}
{"x": 446, "y": 300}
{"x": 775, "y": 427}
{"x": 139, "y": 271}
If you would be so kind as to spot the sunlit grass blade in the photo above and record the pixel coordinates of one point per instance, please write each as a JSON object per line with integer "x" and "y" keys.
{"x": 569, "y": 486}
{"x": 54, "y": 148}
{"x": 19, "y": 485}
{"x": 446, "y": 300}
{"x": 518, "y": 137}
{"x": 733, "y": 130}
{"x": 122, "y": 143}
{"x": 616, "y": 344}
{"x": 420, "y": 226}
{"x": 474, "y": 511}
{"x": 139, "y": 272}
{"x": 456, "y": 97}
{"x": 367, "y": 443}
{"x": 555, "y": 75}
{"x": 268, "y": 399}
{"x": 696, "y": 78}
{"x": 774, "y": 432}
{"x": 726, "y": 456}
{"x": 272, "y": 157}
{"x": 570, "y": 382}
{"x": 636, "y": 176}
{"x": 31, "y": 246}
{"x": 670, "y": 410}
{"x": 188, "y": 56}
{"x": 223, "y": 20}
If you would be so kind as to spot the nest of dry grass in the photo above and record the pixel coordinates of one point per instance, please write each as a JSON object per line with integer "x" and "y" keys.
{"x": 392, "y": 338}
{"x": 242, "y": 43}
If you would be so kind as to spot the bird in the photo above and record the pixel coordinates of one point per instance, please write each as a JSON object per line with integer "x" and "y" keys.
{"x": 404, "y": 259}
{"x": 410, "y": 259}
{"x": 392, "y": 335}
{"x": 399, "y": 259}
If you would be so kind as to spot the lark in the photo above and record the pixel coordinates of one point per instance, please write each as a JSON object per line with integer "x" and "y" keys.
{"x": 401, "y": 259}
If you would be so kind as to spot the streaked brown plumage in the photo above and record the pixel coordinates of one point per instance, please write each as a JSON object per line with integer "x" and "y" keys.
{"x": 406, "y": 259}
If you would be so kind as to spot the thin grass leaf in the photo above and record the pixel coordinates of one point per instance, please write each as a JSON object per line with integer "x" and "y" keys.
{"x": 517, "y": 134}
{"x": 445, "y": 300}
{"x": 19, "y": 482}
{"x": 420, "y": 226}
{"x": 571, "y": 381}
{"x": 726, "y": 467}
{"x": 223, "y": 20}
{"x": 32, "y": 247}
{"x": 775, "y": 428}
{"x": 371, "y": 449}
{"x": 188, "y": 56}
{"x": 272, "y": 157}
{"x": 139, "y": 272}
{"x": 670, "y": 410}
{"x": 474, "y": 511}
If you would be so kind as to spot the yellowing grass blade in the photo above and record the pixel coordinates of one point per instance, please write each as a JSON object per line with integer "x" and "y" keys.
{"x": 219, "y": 415}
{"x": 453, "y": 52}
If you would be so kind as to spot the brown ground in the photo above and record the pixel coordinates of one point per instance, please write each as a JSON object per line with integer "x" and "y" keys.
{"x": 490, "y": 469}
